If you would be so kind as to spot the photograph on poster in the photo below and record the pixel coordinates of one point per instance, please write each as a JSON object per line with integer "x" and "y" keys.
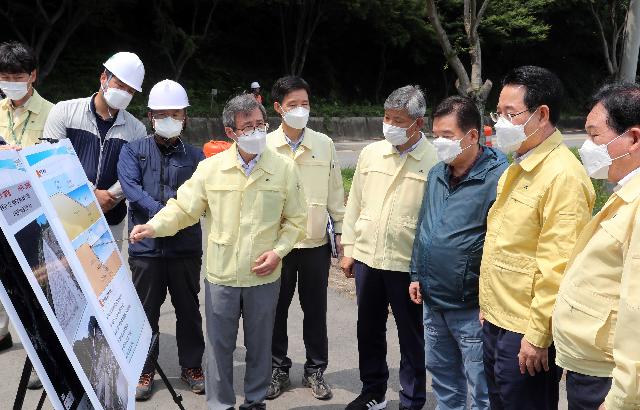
{"x": 104, "y": 373}
{"x": 49, "y": 266}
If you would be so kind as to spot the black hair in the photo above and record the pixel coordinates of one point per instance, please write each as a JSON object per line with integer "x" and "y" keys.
{"x": 465, "y": 110}
{"x": 287, "y": 84}
{"x": 16, "y": 58}
{"x": 622, "y": 102}
{"x": 542, "y": 87}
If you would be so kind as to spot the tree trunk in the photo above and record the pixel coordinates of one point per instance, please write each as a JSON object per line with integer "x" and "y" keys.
{"x": 629, "y": 64}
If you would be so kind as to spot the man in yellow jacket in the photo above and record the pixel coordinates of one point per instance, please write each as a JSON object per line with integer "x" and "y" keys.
{"x": 256, "y": 213}
{"x": 377, "y": 235}
{"x": 308, "y": 264}
{"x": 22, "y": 117}
{"x": 543, "y": 201}
{"x": 596, "y": 320}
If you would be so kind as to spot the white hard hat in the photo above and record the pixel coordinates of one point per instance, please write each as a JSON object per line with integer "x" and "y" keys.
{"x": 168, "y": 95}
{"x": 128, "y": 68}
{"x": 254, "y": 85}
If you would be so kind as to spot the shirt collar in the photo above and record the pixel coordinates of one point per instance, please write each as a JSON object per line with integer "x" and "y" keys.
{"x": 631, "y": 188}
{"x": 519, "y": 158}
{"x": 294, "y": 145}
{"x": 416, "y": 151}
{"x": 119, "y": 120}
{"x": 230, "y": 158}
{"x": 624, "y": 181}
{"x": 531, "y": 159}
{"x": 247, "y": 166}
{"x": 281, "y": 139}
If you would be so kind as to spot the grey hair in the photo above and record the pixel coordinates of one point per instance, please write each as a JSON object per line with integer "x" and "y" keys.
{"x": 410, "y": 98}
{"x": 243, "y": 103}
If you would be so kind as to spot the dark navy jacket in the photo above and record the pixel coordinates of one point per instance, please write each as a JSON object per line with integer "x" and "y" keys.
{"x": 452, "y": 224}
{"x": 149, "y": 179}
{"x": 76, "y": 120}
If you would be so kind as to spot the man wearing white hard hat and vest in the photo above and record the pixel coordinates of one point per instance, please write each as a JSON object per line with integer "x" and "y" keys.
{"x": 150, "y": 171}
{"x": 98, "y": 126}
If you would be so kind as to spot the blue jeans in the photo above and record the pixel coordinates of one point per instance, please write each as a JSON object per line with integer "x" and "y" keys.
{"x": 453, "y": 344}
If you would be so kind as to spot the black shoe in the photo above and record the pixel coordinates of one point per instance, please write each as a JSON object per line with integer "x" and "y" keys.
{"x": 367, "y": 401}
{"x": 34, "y": 381}
{"x": 319, "y": 388}
{"x": 279, "y": 383}
{"x": 145, "y": 386}
{"x": 194, "y": 378}
{"x": 402, "y": 407}
{"x": 6, "y": 343}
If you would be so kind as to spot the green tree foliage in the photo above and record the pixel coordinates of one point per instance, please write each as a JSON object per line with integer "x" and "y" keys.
{"x": 358, "y": 51}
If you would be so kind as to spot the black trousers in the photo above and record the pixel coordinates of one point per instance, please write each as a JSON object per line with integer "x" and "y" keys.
{"x": 181, "y": 276}
{"x": 310, "y": 269}
{"x": 508, "y": 388}
{"x": 586, "y": 392}
{"x": 377, "y": 289}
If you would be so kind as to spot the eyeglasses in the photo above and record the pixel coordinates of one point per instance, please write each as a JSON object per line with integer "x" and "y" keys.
{"x": 509, "y": 116}
{"x": 246, "y": 131}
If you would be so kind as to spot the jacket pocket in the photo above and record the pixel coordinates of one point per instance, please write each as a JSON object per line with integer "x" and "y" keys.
{"x": 586, "y": 329}
{"x": 445, "y": 276}
{"x": 317, "y": 219}
{"x": 219, "y": 251}
{"x": 524, "y": 209}
{"x": 403, "y": 233}
{"x": 224, "y": 202}
{"x": 512, "y": 282}
{"x": 315, "y": 178}
{"x": 268, "y": 205}
{"x": 365, "y": 233}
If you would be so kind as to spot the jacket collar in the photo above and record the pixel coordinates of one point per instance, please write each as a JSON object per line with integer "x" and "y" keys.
{"x": 280, "y": 139}
{"x": 630, "y": 191}
{"x": 229, "y": 159}
{"x": 539, "y": 153}
{"x": 34, "y": 103}
{"x": 487, "y": 161}
{"x": 91, "y": 107}
{"x": 421, "y": 149}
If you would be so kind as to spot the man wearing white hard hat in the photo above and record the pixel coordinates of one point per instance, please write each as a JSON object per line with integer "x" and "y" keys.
{"x": 150, "y": 171}
{"x": 255, "y": 90}
{"x": 98, "y": 127}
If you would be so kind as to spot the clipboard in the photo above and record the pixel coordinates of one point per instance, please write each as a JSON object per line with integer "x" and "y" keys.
{"x": 332, "y": 238}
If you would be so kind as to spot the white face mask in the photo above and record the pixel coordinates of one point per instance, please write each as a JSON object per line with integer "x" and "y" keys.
{"x": 509, "y": 136}
{"x": 116, "y": 98}
{"x": 254, "y": 143}
{"x": 168, "y": 127}
{"x": 448, "y": 150}
{"x": 14, "y": 90}
{"x": 596, "y": 159}
{"x": 296, "y": 118}
{"x": 396, "y": 135}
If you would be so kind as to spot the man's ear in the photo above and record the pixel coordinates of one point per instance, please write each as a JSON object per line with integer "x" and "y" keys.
{"x": 475, "y": 136}
{"x": 229, "y": 133}
{"x": 277, "y": 107}
{"x": 420, "y": 122}
{"x": 544, "y": 113}
{"x": 634, "y": 133}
